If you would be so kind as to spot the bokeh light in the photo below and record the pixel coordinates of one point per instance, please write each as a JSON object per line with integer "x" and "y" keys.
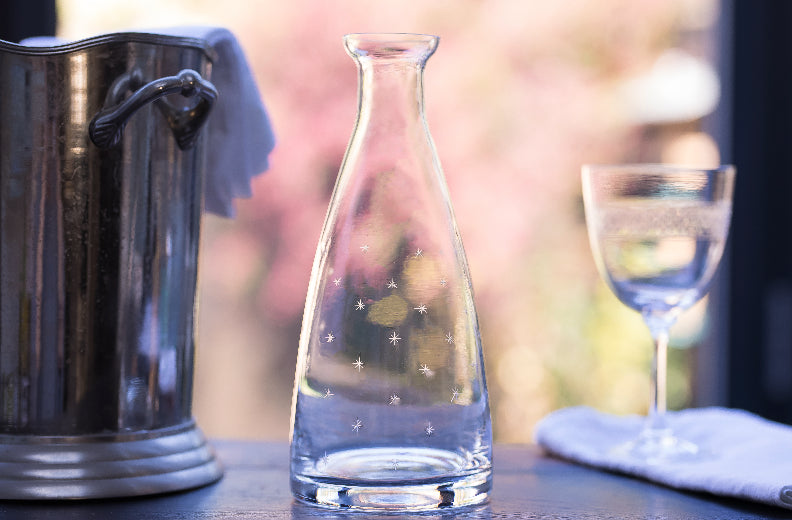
{"x": 518, "y": 95}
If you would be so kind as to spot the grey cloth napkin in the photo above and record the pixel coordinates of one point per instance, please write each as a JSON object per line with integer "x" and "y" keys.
{"x": 742, "y": 455}
{"x": 240, "y": 135}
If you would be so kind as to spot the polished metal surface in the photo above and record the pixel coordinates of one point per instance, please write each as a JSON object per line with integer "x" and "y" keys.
{"x": 98, "y": 245}
{"x": 106, "y": 128}
{"x": 106, "y": 466}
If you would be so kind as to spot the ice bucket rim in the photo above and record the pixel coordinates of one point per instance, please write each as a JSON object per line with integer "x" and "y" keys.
{"x": 104, "y": 39}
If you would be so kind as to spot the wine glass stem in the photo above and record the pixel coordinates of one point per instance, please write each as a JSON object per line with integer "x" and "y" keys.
{"x": 657, "y": 408}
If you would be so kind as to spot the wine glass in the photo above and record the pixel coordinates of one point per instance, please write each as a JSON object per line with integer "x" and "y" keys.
{"x": 657, "y": 233}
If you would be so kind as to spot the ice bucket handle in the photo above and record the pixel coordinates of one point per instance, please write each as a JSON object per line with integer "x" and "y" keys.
{"x": 107, "y": 127}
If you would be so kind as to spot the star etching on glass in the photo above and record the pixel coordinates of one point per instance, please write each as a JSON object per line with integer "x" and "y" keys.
{"x": 360, "y": 305}
{"x": 443, "y": 282}
{"x": 454, "y": 394}
{"x": 358, "y": 364}
{"x": 324, "y": 459}
{"x": 429, "y": 429}
{"x": 327, "y": 394}
{"x": 394, "y": 338}
{"x": 394, "y": 400}
{"x": 329, "y": 338}
{"x": 392, "y": 284}
{"x": 394, "y": 465}
{"x": 418, "y": 252}
{"x": 449, "y": 338}
{"x": 425, "y": 370}
{"x": 357, "y": 425}
{"x": 364, "y": 248}
{"x": 337, "y": 282}
{"x": 421, "y": 309}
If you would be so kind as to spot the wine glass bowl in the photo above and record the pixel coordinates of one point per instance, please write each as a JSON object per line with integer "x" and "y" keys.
{"x": 658, "y": 233}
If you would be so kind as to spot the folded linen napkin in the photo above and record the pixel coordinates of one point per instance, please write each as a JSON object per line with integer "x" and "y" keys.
{"x": 743, "y": 455}
{"x": 240, "y": 137}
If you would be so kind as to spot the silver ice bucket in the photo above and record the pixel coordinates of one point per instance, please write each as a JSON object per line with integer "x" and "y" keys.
{"x": 101, "y": 187}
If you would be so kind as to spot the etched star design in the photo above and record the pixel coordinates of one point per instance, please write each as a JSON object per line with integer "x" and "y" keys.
{"x": 357, "y": 425}
{"x": 392, "y": 284}
{"x": 418, "y": 252}
{"x": 429, "y": 429}
{"x": 394, "y": 400}
{"x": 454, "y": 394}
{"x": 323, "y": 461}
{"x": 394, "y": 338}
{"x": 358, "y": 364}
{"x": 421, "y": 309}
{"x": 449, "y": 338}
{"x": 364, "y": 248}
{"x": 443, "y": 282}
{"x": 327, "y": 393}
{"x": 425, "y": 370}
{"x": 394, "y": 465}
{"x": 329, "y": 338}
{"x": 337, "y": 282}
{"x": 360, "y": 305}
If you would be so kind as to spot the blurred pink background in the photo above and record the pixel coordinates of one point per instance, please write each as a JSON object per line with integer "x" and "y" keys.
{"x": 518, "y": 95}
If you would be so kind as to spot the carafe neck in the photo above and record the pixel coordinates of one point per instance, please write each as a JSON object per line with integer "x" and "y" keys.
{"x": 390, "y": 77}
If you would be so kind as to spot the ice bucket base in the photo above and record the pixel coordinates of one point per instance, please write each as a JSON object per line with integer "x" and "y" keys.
{"x": 104, "y": 466}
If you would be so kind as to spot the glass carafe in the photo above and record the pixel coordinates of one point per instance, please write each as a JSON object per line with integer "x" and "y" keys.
{"x": 390, "y": 405}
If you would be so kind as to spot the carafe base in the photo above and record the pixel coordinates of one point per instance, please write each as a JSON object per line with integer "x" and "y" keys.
{"x": 395, "y": 479}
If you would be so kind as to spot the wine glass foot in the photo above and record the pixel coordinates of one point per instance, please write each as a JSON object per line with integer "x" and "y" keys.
{"x": 659, "y": 446}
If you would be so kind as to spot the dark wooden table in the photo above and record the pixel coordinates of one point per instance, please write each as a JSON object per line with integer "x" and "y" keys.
{"x": 527, "y": 485}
